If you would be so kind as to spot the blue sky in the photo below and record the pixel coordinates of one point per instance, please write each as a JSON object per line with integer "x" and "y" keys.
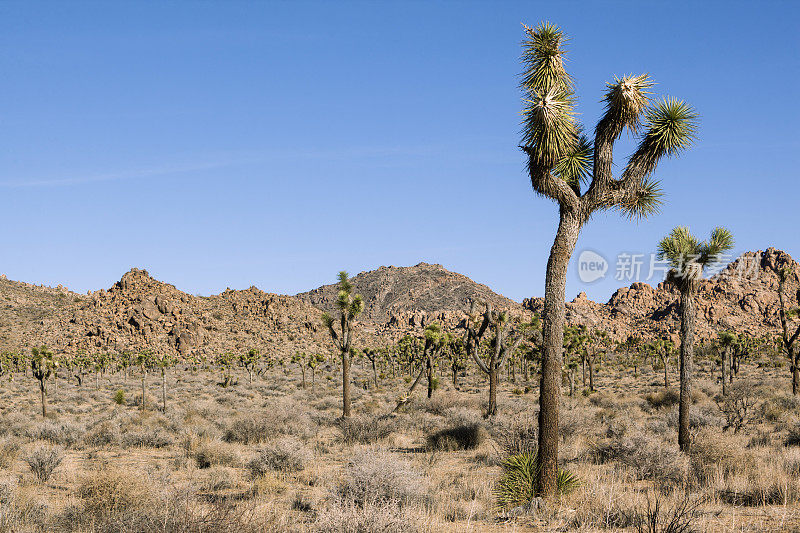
{"x": 272, "y": 143}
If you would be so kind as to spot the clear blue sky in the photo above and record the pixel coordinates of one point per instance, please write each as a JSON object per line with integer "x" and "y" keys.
{"x": 273, "y": 143}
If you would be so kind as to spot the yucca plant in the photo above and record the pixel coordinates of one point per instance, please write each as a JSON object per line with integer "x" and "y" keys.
{"x": 575, "y": 171}
{"x": 688, "y": 257}
{"x": 517, "y": 483}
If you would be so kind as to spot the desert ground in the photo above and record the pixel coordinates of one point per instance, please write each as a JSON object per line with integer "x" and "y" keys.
{"x": 272, "y": 455}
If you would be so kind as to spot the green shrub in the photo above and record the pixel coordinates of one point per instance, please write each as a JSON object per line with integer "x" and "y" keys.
{"x": 119, "y": 397}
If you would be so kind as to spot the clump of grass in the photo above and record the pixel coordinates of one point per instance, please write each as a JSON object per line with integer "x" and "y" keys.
{"x": 460, "y": 437}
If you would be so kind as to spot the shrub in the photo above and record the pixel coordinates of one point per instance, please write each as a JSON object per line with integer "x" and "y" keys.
{"x": 677, "y": 519}
{"x": 9, "y": 447}
{"x": 662, "y": 398}
{"x": 153, "y": 438}
{"x": 283, "y": 419}
{"x": 366, "y": 429}
{"x": 63, "y": 434}
{"x": 119, "y": 397}
{"x": 461, "y": 437}
{"x": 520, "y": 435}
{"x": 210, "y": 453}
{"x": 648, "y": 458}
{"x": 104, "y": 433}
{"x": 379, "y": 478}
{"x": 286, "y": 454}
{"x": 517, "y": 483}
{"x": 347, "y": 517}
{"x": 43, "y": 460}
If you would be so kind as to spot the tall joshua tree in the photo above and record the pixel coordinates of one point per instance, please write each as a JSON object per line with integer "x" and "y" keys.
{"x": 789, "y": 337}
{"x": 565, "y": 166}
{"x": 687, "y": 258}
{"x": 350, "y": 306}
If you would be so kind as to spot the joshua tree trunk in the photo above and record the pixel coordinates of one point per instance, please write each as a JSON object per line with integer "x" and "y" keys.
{"x": 687, "y": 356}
{"x": 375, "y": 373}
{"x": 455, "y": 378}
{"x": 345, "y": 384}
{"x": 144, "y": 376}
{"x": 664, "y": 360}
{"x": 571, "y": 381}
{"x": 725, "y": 371}
{"x": 429, "y": 372}
{"x": 164, "y": 390}
{"x": 491, "y": 410}
{"x": 795, "y": 372}
{"x": 552, "y": 347}
{"x": 591, "y": 373}
{"x": 583, "y": 370}
{"x": 43, "y": 391}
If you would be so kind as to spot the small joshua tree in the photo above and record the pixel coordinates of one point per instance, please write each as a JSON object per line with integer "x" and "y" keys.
{"x": 435, "y": 342}
{"x": 225, "y": 361}
{"x": 350, "y": 306}
{"x": 726, "y": 343}
{"x": 789, "y": 337}
{"x": 43, "y": 364}
{"x": 300, "y": 359}
{"x": 164, "y": 361}
{"x": 503, "y": 343}
{"x": 687, "y": 258}
{"x": 146, "y": 361}
{"x": 372, "y": 355}
{"x": 249, "y": 361}
{"x": 314, "y": 360}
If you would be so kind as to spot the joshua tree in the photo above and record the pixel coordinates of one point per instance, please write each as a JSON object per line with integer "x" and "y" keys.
{"x": 299, "y": 358}
{"x": 788, "y": 337}
{"x": 597, "y": 345}
{"x": 225, "y": 361}
{"x": 726, "y": 342}
{"x": 565, "y": 166}
{"x": 372, "y": 355}
{"x": 350, "y": 306}
{"x": 314, "y": 360}
{"x": 457, "y": 356}
{"x": 249, "y": 361}
{"x": 164, "y": 361}
{"x": 435, "y": 343}
{"x": 503, "y": 343}
{"x": 43, "y": 364}
{"x": 145, "y": 360}
{"x": 687, "y": 258}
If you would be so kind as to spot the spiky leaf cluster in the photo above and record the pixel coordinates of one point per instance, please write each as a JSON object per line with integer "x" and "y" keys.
{"x": 688, "y": 256}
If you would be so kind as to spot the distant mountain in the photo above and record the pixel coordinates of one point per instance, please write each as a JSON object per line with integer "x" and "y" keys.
{"x": 742, "y": 298}
{"x": 411, "y": 296}
{"x": 141, "y": 312}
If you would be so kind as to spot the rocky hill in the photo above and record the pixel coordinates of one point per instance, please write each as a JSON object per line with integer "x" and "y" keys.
{"x": 742, "y": 297}
{"x": 140, "y": 312}
{"x": 400, "y": 297}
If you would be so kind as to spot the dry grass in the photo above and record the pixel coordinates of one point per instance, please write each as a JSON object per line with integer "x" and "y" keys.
{"x": 271, "y": 456}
